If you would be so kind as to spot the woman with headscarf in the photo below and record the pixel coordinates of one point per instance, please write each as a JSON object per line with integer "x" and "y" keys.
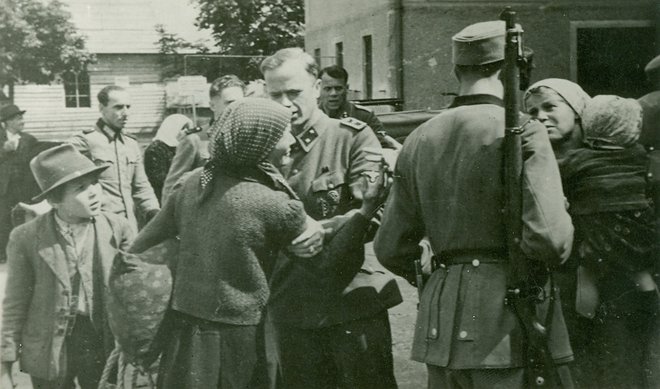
{"x": 609, "y": 298}
{"x": 558, "y": 104}
{"x": 233, "y": 217}
{"x": 160, "y": 152}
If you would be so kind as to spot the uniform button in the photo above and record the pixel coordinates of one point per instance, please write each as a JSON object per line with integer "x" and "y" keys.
{"x": 330, "y": 186}
{"x": 434, "y": 332}
{"x": 463, "y": 334}
{"x": 475, "y": 262}
{"x": 651, "y": 148}
{"x": 295, "y": 171}
{"x": 649, "y": 175}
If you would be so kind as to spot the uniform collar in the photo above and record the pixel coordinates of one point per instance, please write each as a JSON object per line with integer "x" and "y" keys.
{"x": 343, "y": 111}
{"x": 312, "y": 131}
{"x": 109, "y": 132}
{"x": 476, "y": 99}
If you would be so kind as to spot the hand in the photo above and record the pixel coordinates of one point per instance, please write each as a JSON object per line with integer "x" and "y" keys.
{"x": 11, "y": 145}
{"x": 310, "y": 242}
{"x": 6, "y": 379}
{"x": 374, "y": 186}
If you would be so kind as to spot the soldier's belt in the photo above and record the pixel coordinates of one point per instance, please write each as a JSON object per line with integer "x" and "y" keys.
{"x": 472, "y": 257}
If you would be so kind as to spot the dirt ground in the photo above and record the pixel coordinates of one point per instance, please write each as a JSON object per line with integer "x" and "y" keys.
{"x": 409, "y": 374}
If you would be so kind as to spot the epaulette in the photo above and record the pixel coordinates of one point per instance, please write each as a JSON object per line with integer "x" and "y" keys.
{"x": 362, "y": 107}
{"x": 89, "y": 130}
{"x": 357, "y": 125}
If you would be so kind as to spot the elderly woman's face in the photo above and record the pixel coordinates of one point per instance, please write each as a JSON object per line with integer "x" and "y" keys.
{"x": 552, "y": 110}
{"x": 280, "y": 156}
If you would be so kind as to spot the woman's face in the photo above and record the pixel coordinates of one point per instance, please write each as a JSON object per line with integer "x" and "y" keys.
{"x": 552, "y": 110}
{"x": 281, "y": 155}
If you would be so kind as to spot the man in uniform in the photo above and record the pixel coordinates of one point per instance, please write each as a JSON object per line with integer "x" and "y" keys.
{"x": 192, "y": 151}
{"x": 333, "y": 101}
{"x": 125, "y": 185}
{"x": 329, "y": 335}
{"x": 448, "y": 186}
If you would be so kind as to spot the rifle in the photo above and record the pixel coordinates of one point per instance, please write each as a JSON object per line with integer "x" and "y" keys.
{"x": 525, "y": 288}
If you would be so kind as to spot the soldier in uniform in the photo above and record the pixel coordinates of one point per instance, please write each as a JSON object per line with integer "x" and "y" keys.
{"x": 334, "y": 87}
{"x": 125, "y": 184}
{"x": 449, "y": 186}
{"x": 192, "y": 151}
{"x": 333, "y": 329}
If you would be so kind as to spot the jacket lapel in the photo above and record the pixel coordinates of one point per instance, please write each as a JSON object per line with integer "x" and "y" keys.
{"x": 50, "y": 250}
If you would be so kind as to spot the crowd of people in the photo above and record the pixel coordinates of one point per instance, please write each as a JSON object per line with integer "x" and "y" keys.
{"x": 272, "y": 205}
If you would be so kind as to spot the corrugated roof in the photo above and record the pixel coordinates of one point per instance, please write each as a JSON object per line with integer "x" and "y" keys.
{"x": 128, "y": 26}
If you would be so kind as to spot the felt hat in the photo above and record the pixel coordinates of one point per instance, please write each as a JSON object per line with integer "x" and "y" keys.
{"x": 9, "y": 111}
{"x": 479, "y": 43}
{"x": 58, "y": 165}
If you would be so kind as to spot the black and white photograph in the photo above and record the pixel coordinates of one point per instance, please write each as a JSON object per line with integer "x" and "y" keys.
{"x": 329, "y": 194}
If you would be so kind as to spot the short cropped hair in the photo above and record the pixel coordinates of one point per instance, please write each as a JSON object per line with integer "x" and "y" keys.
{"x": 224, "y": 82}
{"x": 336, "y": 72}
{"x": 104, "y": 94}
{"x": 276, "y": 60}
{"x": 485, "y": 70}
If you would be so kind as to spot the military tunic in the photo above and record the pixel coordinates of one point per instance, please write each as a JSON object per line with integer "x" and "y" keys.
{"x": 125, "y": 184}
{"x": 448, "y": 186}
{"x": 328, "y": 160}
{"x": 363, "y": 114}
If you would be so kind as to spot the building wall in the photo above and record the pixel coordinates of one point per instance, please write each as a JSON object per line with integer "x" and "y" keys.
{"x": 49, "y": 119}
{"x": 429, "y": 26}
{"x": 329, "y": 22}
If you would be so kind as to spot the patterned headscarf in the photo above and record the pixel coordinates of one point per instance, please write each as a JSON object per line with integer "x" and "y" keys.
{"x": 612, "y": 122}
{"x": 246, "y": 133}
{"x": 571, "y": 92}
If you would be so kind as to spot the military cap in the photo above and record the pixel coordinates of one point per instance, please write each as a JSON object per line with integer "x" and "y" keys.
{"x": 653, "y": 65}
{"x": 479, "y": 43}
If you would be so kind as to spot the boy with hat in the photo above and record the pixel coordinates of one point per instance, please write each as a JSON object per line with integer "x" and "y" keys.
{"x": 16, "y": 182}
{"x": 54, "y": 318}
{"x": 450, "y": 172}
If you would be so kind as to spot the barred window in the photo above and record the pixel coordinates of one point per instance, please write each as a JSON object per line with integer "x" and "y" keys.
{"x": 76, "y": 89}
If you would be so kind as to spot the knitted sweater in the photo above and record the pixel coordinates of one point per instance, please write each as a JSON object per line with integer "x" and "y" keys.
{"x": 230, "y": 241}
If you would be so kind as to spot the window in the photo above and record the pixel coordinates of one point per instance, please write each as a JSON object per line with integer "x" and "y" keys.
{"x": 367, "y": 66}
{"x": 339, "y": 54}
{"x": 317, "y": 56}
{"x": 76, "y": 89}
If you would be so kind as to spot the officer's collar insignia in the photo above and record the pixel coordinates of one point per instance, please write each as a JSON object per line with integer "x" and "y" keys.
{"x": 306, "y": 138}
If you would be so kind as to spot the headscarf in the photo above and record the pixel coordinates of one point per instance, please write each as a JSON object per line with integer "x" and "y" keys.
{"x": 246, "y": 133}
{"x": 171, "y": 127}
{"x": 572, "y": 93}
{"x": 612, "y": 122}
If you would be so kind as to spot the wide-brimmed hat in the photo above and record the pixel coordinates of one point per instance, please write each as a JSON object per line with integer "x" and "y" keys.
{"x": 9, "y": 111}
{"x": 56, "y": 166}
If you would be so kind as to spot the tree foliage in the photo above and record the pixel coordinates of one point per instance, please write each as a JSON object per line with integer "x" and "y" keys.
{"x": 172, "y": 48}
{"x": 253, "y": 27}
{"x": 38, "y": 41}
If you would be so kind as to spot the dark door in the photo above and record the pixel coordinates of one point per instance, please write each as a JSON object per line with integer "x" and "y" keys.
{"x": 611, "y": 60}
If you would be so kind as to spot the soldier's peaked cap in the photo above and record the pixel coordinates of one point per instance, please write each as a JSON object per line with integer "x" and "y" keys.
{"x": 653, "y": 65}
{"x": 479, "y": 43}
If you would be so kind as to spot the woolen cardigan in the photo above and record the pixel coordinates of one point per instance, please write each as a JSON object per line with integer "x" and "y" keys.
{"x": 230, "y": 241}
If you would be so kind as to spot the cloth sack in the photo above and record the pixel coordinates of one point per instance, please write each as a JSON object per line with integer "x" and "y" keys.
{"x": 139, "y": 295}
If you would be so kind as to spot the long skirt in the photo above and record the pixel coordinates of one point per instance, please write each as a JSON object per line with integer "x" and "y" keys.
{"x": 204, "y": 354}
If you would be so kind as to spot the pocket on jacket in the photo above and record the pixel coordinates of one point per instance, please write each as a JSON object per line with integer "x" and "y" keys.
{"x": 328, "y": 190}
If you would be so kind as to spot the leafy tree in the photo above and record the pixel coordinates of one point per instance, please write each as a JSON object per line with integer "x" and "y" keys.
{"x": 252, "y": 27}
{"x": 38, "y": 41}
{"x": 171, "y": 50}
